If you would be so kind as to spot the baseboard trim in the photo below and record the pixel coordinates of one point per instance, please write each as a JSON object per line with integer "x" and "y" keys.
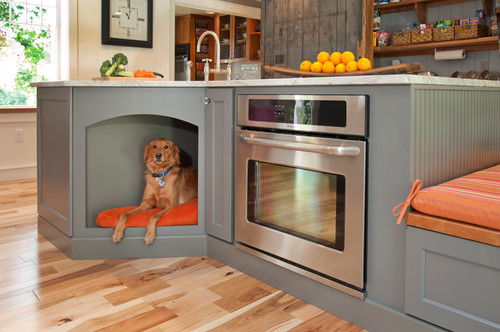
{"x": 20, "y": 173}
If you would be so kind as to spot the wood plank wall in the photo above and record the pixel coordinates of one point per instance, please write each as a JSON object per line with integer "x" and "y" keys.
{"x": 297, "y": 30}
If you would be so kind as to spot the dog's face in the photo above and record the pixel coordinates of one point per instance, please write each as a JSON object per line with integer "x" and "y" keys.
{"x": 161, "y": 154}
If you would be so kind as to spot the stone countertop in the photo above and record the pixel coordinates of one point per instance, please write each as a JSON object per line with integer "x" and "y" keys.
{"x": 401, "y": 79}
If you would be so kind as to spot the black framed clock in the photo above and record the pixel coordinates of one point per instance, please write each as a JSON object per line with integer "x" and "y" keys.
{"x": 127, "y": 23}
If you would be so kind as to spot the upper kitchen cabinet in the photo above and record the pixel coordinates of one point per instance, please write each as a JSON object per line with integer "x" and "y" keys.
{"x": 239, "y": 38}
{"x": 182, "y": 29}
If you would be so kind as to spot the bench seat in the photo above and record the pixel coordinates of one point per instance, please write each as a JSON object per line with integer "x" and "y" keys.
{"x": 452, "y": 272}
{"x": 455, "y": 228}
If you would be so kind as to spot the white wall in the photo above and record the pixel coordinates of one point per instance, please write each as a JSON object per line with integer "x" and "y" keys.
{"x": 18, "y": 159}
{"x": 86, "y": 52}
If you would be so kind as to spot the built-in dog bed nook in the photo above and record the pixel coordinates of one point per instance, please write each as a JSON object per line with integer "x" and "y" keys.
{"x": 181, "y": 215}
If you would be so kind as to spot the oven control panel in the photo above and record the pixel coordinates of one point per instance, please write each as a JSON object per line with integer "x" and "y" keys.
{"x": 331, "y": 114}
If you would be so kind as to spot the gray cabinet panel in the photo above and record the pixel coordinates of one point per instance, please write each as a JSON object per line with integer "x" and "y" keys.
{"x": 452, "y": 282}
{"x": 219, "y": 148}
{"x": 54, "y": 115}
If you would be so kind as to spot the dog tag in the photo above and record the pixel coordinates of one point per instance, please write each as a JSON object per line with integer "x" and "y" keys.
{"x": 161, "y": 183}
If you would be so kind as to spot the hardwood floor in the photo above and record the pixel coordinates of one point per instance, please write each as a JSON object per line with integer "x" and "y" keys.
{"x": 43, "y": 290}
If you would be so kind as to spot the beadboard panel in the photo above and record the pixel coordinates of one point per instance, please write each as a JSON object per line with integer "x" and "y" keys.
{"x": 18, "y": 159}
{"x": 445, "y": 122}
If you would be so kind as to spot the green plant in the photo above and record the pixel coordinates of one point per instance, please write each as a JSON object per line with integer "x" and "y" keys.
{"x": 12, "y": 98}
{"x": 35, "y": 43}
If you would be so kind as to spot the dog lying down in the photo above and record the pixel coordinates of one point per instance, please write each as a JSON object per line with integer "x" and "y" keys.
{"x": 167, "y": 185}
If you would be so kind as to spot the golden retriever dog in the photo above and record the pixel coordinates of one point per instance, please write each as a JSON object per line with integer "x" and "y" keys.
{"x": 167, "y": 185}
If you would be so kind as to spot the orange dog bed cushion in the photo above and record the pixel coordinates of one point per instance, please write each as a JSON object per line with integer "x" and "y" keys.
{"x": 183, "y": 214}
{"x": 473, "y": 198}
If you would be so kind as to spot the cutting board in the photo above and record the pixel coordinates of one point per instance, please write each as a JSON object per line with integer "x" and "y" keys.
{"x": 127, "y": 79}
{"x": 397, "y": 69}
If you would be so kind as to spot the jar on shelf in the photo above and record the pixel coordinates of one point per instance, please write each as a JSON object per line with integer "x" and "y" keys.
{"x": 493, "y": 25}
{"x": 376, "y": 20}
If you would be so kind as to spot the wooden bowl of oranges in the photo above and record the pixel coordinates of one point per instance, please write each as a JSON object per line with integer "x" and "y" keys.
{"x": 335, "y": 63}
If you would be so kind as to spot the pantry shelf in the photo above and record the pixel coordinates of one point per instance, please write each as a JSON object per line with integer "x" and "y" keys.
{"x": 420, "y": 7}
{"x": 470, "y": 45}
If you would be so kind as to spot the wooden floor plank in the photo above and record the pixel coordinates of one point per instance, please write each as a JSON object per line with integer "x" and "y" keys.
{"x": 142, "y": 322}
{"x": 41, "y": 289}
{"x": 239, "y": 292}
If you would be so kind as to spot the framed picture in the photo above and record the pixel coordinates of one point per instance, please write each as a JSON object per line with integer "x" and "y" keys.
{"x": 127, "y": 23}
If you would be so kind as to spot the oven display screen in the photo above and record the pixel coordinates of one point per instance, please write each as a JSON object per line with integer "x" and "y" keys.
{"x": 331, "y": 113}
{"x": 303, "y": 203}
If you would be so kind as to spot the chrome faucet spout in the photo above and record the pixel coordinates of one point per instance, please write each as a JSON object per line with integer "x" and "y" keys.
{"x": 198, "y": 46}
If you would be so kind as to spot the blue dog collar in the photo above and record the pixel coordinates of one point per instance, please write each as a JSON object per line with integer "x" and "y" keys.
{"x": 159, "y": 175}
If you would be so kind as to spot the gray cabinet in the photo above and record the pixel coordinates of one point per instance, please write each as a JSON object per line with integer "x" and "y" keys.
{"x": 452, "y": 282}
{"x": 91, "y": 148}
{"x": 219, "y": 147}
{"x": 54, "y": 115}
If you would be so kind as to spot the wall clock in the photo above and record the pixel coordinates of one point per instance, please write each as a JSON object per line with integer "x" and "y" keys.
{"x": 127, "y": 23}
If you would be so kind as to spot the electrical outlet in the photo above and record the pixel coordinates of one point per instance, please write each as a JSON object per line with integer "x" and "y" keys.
{"x": 483, "y": 65}
{"x": 19, "y": 135}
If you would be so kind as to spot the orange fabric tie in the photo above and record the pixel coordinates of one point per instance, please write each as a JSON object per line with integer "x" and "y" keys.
{"x": 406, "y": 204}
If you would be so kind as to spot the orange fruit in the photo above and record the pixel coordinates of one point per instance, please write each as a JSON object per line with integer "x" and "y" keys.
{"x": 317, "y": 67}
{"x": 328, "y": 67}
{"x": 335, "y": 58}
{"x": 305, "y": 65}
{"x": 323, "y": 57}
{"x": 351, "y": 66}
{"x": 340, "y": 68}
{"x": 364, "y": 64}
{"x": 347, "y": 57}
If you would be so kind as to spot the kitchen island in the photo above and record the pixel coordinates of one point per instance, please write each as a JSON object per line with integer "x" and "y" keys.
{"x": 91, "y": 137}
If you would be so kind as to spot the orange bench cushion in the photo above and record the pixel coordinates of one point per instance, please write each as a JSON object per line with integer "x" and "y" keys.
{"x": 473, "y": 198}
{"x": 183, "y": 214}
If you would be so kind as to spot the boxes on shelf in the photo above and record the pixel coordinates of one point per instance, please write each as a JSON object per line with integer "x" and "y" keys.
{"x": 421, "y": 36}
{"x": 401, "y": 38}
{"x": 468, "y": 31}
{"x": 383, "y": 38}
{"x": 443, "y": 34}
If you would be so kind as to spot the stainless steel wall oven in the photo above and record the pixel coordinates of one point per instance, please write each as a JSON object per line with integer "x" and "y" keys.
{"x": 301, "y": 184}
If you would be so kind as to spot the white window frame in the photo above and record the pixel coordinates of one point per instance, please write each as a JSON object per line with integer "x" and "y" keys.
{"x": 60, "y": 48}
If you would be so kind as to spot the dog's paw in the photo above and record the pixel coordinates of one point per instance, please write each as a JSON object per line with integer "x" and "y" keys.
{"x": 117, "y": 237}
{"x": 150, "y": 237}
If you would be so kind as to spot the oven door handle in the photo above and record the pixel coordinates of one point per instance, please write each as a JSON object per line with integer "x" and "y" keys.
{"x": 347, "y": 151}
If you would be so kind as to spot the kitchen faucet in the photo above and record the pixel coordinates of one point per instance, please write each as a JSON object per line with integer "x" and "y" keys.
{"x": 207, "y": 70}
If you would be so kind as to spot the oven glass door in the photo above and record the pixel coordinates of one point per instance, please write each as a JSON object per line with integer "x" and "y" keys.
{"x": 301, "y": 199}
{"x": 305, "y": 203}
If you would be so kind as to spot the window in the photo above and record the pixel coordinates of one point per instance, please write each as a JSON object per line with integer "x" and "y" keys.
{"x": 28, "y": 48}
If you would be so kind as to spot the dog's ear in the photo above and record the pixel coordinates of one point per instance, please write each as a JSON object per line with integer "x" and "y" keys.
{"x": 146, "y": 152}
{"x": 176, "y": 155}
